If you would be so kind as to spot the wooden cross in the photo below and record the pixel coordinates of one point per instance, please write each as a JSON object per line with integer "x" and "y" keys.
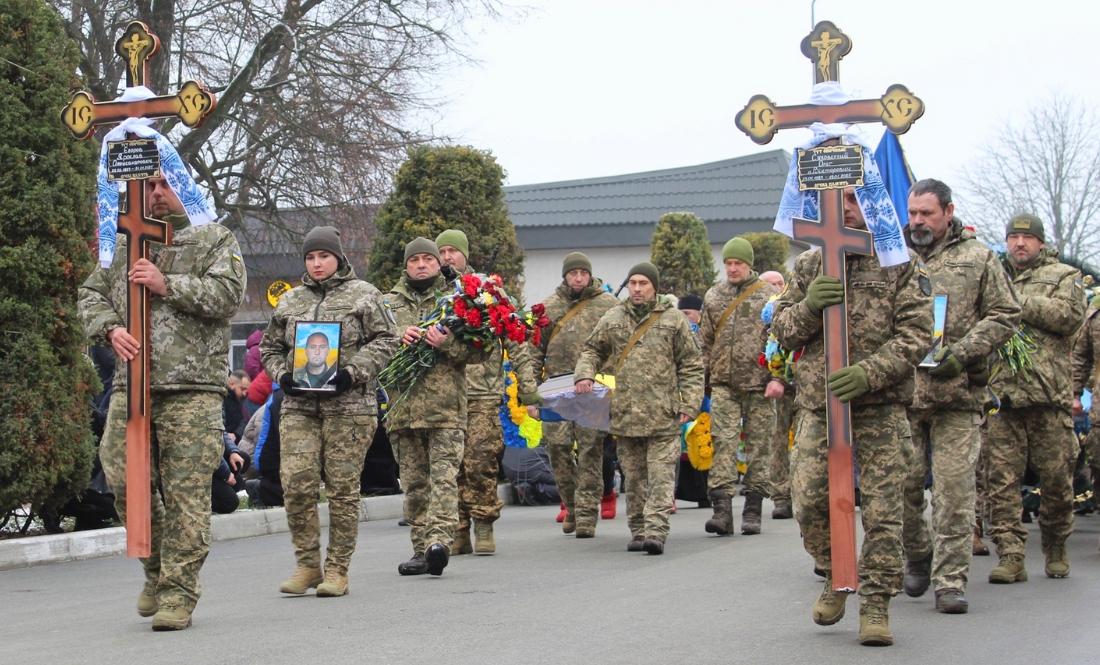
{"x": 760, "y": 119}
{"x": 192, "y": 104}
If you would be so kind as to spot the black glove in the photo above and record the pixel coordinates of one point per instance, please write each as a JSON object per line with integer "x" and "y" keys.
{"x": 342, "y": 381}
{"x": 286, "y": 382}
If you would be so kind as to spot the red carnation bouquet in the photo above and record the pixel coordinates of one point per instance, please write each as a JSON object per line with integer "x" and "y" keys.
{"x": 479, "y": 313}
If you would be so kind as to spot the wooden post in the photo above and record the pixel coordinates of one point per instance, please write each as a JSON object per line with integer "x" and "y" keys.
{"x": 82, "y": 115}
{"x": 760, "y": 119}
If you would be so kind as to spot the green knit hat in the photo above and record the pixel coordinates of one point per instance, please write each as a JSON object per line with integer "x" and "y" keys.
{"x": 1026, "y": 223}
{"x": 575, "y": 261}
{"x": 421, "y": 246}
{"x": 738, "y": 248}
{"x": 325, "y": 239}
{"x": 454, "y": 238}
{"x": 648, "y": 270}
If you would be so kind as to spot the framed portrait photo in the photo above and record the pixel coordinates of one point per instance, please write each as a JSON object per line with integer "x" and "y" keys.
{"x": 316, "y": 355}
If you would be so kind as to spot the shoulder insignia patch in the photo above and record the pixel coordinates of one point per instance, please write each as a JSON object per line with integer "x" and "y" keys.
{"x": 1078, "y": 288}
{"x": 923, "y": 280}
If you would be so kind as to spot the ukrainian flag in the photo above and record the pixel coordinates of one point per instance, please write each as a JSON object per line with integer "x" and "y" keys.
{"x": 896, "y": 174}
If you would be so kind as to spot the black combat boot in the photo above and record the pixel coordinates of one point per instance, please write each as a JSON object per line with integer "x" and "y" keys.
{"x": 750, "y": 516}
{"x": 437, "y": 557}
{"x": 417, "y": 565}
{"x": 918, "y": 575}
{"x": 722, "y": 522}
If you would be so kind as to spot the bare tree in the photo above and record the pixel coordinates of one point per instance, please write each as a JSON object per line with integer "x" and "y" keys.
{"x": 317, "y": 99}
{"x": 1048, "y": 165}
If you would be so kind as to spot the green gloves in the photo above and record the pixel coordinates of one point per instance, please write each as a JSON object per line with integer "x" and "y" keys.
{"x": 1095, "y": 302}
{"x": 849, "y": 383}
{"x": 949, "y": 365}
{"x": 530, "y": 399}
{"x": 822, "y": 292}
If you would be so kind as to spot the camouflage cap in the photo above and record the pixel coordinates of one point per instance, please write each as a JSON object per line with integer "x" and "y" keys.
{"x": 1025, "y": 222}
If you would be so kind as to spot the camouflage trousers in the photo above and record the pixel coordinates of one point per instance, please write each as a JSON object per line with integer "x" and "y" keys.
{"x": 429, "y": 459}
{"x": 880, "y": 434}
{"x": 780, "y": 472}
{"x": 1091, "y": 441}
{"x": 477, "y": 479}
{"x": 185, "y": 449}
{"x": 728, "y": 410}
{"x": 1040, "y": 437}
{"x": 649, "y": 466}
{"x": 335, "y": 448}
{"x": 954, "y": 438}
{"x": 579, "y": 478}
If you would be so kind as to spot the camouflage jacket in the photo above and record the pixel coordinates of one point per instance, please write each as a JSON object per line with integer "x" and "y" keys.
{"x": 982, "y": 314}
{"x": 1053, "y": 302}
{"x": 438, "y": 400}
{"x": 733, "y": 359}
{"x": 485, "y": 381}
{"x": 1086, "y": 358}
{"x": 660, "y": 379}
{"x": 889, "y": 328}
{"x": 559, "y": 354}
{"x": 189, "y": 327}
{"x": 368, "y": 339}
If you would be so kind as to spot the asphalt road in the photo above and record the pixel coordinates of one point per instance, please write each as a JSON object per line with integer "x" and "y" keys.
{"x": 546, "y": 598}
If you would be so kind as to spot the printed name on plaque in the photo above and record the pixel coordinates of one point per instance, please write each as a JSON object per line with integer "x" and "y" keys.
{"x": 830, "y": 167}
{"x": 133, "y": 160}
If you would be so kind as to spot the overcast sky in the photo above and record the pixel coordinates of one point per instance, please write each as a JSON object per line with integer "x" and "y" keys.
{"x": 579, "y": 89}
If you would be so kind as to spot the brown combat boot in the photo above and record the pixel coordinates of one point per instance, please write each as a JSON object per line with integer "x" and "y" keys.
{"x": 829, "y": 607}
{"x": 979, "y": 548}
{"x": 462, "y": 544}
{"x": 722, "y": 521}
{"x": 569, "y": 524}
{"x": 750, "y": 516}
{"x": 171, "y": 618}
{"x": 147, "y": 600}
{"x": 1010, "y": 569}
{"x": 335, "y": 585}
{"x": 302, "y": 580}
{"x": 782, "y": 510}
{"x": 1057, "y": 563}
{"x": 483, "y": 532}
{"x": 585, "y": 531}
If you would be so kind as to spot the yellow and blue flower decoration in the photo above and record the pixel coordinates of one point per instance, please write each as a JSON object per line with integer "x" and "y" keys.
{"x": 520, "y": 429}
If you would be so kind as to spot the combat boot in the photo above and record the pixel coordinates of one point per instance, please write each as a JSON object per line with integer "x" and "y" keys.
{"x": 1010, "y": 569}
{"x": 951, "y": 601}
{"x": 335, "y": 585}
{"x": 635, "y": 544}
{"x": 829, "y": 607}
{"x": 417, "y": 565}
{"x": 301, "y": 581}
{"x": 171, "y": 618}
{"x": 437, "y": 557}
{"x": 874, "y": 625}
{"x": 722, "y": 522}
{"x": 462, "y": 544}
{"x": 979, "y": 548}
{"x": 782, "y": 510}
{"x": 486, "y": 544}
{"x": 569, "y": 524}
{"x": 750, "y": 516}
{"x": 918, "y": 575}
{"x": 586, "y": 531}
{"x": 1057, "y": 565}
{"x": 653, "y": 545}
{"x": 147, "y": 601}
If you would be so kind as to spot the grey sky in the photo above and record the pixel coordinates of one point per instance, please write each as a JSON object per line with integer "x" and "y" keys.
{"x": 600, "y": 87}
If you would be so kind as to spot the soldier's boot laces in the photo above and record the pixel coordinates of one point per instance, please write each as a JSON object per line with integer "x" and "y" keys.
{"x": 782, "y": 510}
{"x": 171, "y": 618}
{"x": 1057, "y": 564}
{"x": 750, "y": 516}
{"x": 874, "y": 627}
{"x": 722, "y": 521}
{"x": 829, "y": 607}
{"x": 147, "y": 600}
{"x": 417, "y": 565}
{"x": 302, "y": 580}
{"x": 335, "y": 585}
{"x": 1010, "y": 569}
{"x": 486, "y": 544}
{"x": 918, "y": 575}
{"x": 462, "y": 544}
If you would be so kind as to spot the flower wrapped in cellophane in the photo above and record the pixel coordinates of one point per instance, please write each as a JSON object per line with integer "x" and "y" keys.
{"x": 779, "y": 361}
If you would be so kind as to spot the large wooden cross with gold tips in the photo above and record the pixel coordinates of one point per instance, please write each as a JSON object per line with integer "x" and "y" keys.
{"x": 828, "y": 169}
{"x": 192, "y": 104}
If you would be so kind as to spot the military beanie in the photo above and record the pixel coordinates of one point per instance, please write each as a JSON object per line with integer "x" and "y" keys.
{"x": 648, "y": 270}
{"x": 323, "y": 238}
{"x": 454, "y": 238}
{"x": 421, "y": 246}
{"x": 575, "y": 261}
{"x": 1026, "y": 223}
{"x": 738, "y": 248}
{"x": 690, "y": 302}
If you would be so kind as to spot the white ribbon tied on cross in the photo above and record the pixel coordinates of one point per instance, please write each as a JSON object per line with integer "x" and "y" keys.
{"x": 874, "y": 200}
{"x": 195, "y": 204}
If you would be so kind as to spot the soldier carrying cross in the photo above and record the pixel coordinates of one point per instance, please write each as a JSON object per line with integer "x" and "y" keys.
{"x": 165, "y": 308}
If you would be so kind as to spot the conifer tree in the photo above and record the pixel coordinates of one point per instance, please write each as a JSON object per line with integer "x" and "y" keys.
{"x": 770, "y": 251}
{"x": 682, "y": 254}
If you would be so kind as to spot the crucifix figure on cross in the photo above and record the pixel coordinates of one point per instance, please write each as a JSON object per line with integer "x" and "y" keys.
{"x": 833, "y": 171}
{"x": 132, "y": 161}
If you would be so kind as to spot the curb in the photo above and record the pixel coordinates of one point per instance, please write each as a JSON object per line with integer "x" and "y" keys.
{"x": 63, "y": 547}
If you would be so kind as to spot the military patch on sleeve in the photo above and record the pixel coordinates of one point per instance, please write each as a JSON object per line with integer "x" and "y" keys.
{"x": 389, "y": 312}
{"x": 923, "y": 279}
{"x": 238, "y": 263}
{"x": 1078, "y": 289}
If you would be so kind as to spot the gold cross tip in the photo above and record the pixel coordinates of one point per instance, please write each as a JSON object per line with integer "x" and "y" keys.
{"x": 136, "y": 46}
{"x": 825, "y": 46}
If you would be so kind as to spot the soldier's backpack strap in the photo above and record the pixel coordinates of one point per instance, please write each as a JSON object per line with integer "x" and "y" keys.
{"x": 634, "y": 340}
{"x": 568, "y": 315}
{"x": 729, "y": 310}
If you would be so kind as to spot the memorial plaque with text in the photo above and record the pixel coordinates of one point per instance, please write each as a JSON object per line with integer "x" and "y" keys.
{"x": 133, "y": 160}
{"x": 830, "y": 167}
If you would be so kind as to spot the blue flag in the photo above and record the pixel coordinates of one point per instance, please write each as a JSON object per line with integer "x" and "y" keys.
{"x": 896, "y": 174}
